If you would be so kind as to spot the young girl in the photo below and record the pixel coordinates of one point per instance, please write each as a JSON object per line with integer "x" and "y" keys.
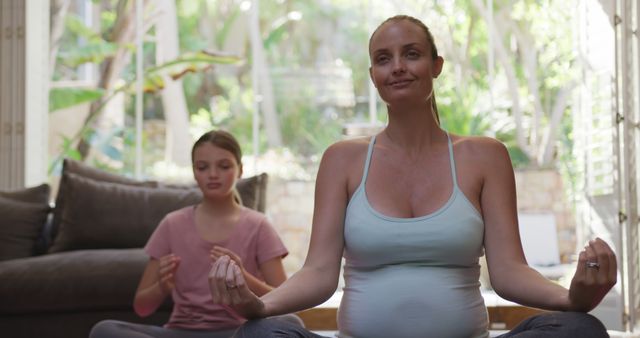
{"x": 187, "y": 242}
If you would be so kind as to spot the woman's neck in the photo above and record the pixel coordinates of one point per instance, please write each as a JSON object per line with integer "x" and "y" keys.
{"x": 412, "y": 129}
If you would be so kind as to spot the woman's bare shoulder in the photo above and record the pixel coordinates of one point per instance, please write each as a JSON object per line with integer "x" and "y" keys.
{"x": 347, "y": 150}
{"x": 479, "y": 147}
{"x": 482, "y": 155}
{"x": 343, "y": 160}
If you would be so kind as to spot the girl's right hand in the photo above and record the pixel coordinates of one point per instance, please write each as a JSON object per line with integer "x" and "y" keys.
{"x": 167, "y": 272}
{"x": 228, "y": 287}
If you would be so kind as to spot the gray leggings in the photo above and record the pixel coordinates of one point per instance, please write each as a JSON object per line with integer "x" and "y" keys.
{"x": 559, "y": 325}
{"x": 548, "y": 325}
{"x": 117, "y": 329}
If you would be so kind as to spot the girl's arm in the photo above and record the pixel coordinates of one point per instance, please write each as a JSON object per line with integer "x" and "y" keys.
{"x": 511, "y": 276}
{"x": 316, "y": 281}
{"x": 157, "y": 282}
{"x": 273, "y": 273}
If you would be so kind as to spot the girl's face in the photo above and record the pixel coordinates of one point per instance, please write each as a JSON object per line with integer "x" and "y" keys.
{"x": 215, "y": 170}
{"x": 402, "y": 66}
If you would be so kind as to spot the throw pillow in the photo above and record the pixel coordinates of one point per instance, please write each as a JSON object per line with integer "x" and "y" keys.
{"x": 37, "y": 194}
{"x": 101, "y": 215}
{"x": 20, "y": 226}
{"x": 84, "y": 170}
{"x": 253, "y": 191}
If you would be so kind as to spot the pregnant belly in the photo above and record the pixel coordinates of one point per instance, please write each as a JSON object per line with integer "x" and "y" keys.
{"x": 412, "y": 302}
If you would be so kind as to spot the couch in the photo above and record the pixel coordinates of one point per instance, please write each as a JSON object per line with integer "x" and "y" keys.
{"x": 68, "y": 265}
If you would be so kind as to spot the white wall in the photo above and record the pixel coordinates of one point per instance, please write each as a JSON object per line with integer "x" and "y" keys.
{"x": 24, "y": 57}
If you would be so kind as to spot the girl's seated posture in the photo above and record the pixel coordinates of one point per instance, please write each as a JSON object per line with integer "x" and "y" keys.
{"x": 187, "y": 242}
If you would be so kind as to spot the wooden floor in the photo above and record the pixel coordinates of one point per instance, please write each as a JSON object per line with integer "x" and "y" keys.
{"x": 503, "y": 315}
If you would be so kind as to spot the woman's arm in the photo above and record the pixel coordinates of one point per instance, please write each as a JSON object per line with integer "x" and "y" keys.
{"x": 271, "y": 270}
{"x": 316, "y": 281}
{"x": 156, "y": 284}
{"x": 511, "y": 276}
{"x": 273, "y": 273}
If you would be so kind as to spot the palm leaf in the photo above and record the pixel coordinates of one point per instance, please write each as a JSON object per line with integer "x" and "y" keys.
{"x": 60, "y": 98}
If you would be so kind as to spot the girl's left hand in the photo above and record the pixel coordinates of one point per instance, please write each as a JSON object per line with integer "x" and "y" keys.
{"x": 219, "y": 251}
{"x": 595, "y": 275}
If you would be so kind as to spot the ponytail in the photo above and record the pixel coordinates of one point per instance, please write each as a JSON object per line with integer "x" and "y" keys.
{"x": 434, "y": 109}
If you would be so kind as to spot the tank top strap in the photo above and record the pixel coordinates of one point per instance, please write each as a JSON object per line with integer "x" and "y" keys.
{"x": 452, "y": 161}
{"x": 365, "y": 171}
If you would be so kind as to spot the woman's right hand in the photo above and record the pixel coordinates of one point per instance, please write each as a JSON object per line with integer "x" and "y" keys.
{"x": 590, "y": 284}
{"x": 228, "y": 287}
{"x": 167, "y": 272}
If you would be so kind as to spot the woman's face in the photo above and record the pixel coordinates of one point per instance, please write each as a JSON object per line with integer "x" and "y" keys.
{"x": 402, "y": 67}
{"x": 215, "y": 170}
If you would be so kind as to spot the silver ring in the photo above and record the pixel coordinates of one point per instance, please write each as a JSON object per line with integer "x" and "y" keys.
{"x": 593, "y": 265}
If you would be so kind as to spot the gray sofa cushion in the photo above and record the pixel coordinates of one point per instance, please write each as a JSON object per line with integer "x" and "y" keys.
{"x": 84, "y": 170}
{"x": 24, "y": 214}
{"x": 253, "y": 191}
{"x": 38, "y": 194}
{"x": 21, "y": 224}
{"x": 84, "y": 280}
{"x": 103, "y": 215}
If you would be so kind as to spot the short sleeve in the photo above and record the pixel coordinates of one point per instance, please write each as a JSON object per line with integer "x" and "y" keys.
{"x": 269, "y": 244}
{"x": 159, "y": 242}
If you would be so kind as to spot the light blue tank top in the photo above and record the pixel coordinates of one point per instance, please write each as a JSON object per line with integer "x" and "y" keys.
{"x": 412, "y": 277}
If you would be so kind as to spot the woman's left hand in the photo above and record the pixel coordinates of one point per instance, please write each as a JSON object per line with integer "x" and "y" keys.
{"x": 595, "y": 275}
{"x": 229, "y": 287}
{"x": 219, "y": 251}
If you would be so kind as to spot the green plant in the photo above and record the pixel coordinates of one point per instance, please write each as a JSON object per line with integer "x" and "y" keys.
{"x": 153, "y": 82}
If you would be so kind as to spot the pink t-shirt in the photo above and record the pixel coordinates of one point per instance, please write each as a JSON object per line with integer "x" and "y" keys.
{"x": 253, "y": 239}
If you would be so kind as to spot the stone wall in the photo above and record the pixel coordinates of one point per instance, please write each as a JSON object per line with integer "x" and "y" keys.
{"x": 290, "y": 208}
{"x": 542, "y": 190}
